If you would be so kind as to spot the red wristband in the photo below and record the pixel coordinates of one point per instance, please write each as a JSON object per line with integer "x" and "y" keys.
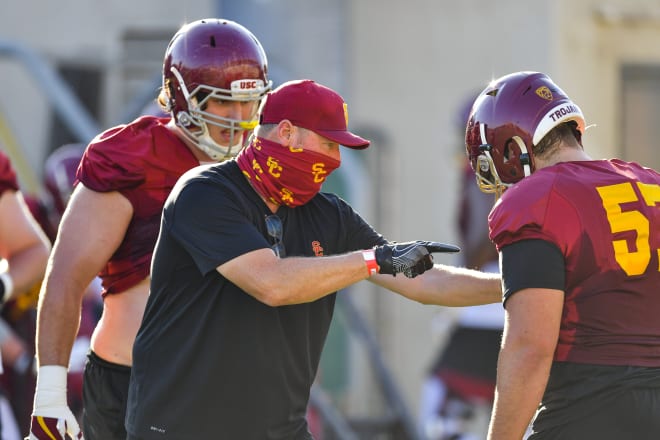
{"x": 370, "y": 258}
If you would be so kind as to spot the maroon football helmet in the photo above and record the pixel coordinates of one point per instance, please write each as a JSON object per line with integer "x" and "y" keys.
{"x": 60, "y": 174}
{"x": 213, "y": 59}
{"x": 508, "y": 118}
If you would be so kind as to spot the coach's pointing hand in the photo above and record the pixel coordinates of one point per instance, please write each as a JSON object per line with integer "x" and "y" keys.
{"x": 410, "y": 258}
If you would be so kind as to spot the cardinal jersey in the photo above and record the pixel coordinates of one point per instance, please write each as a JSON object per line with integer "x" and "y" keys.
{"x": 604, "y": 218}
{"x": 7, "y": 175}
{"x": 141, "y": 160}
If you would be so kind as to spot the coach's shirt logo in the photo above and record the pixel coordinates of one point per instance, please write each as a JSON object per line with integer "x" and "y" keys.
{"x": 317, "y": 248}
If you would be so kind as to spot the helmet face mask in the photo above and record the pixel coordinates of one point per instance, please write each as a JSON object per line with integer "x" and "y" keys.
{"x": 214, "y": 60}
{"x": 488, "y": 180}
{"x": 507, "y": 119}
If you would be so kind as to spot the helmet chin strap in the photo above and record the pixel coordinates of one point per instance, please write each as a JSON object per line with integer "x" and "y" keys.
{"x": 524, "y": 156}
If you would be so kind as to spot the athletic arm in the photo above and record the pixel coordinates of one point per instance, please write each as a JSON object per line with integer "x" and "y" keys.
{"x": 293, "y": 280}
{"x": 446, "y": 286}
{"x": 92, "y": 228}
{"x": 23, "y": 244}
{"x": 531, "y": 331}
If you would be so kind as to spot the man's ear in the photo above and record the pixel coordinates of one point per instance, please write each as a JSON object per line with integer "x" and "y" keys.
{"x": 284, "y": 132}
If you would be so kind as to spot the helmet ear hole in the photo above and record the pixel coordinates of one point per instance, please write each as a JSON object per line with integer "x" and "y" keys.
{"x": 511, "y": 157}
{"x": 506, "y": 152}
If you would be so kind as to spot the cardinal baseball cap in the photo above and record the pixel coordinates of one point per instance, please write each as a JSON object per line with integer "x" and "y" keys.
{"x": 313, "y": 106}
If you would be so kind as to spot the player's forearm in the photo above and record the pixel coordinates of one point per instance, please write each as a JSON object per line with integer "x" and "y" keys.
{"x": 521, "y": 380}
{"x": 456, "y": 286}
{"x": 447, "y": 286}
{"x": 58, "y": 319}
{"x": 56, "y": 330}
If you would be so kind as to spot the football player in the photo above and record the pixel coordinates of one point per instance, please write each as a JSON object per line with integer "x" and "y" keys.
{"x": 579, "y": 244}
{"x": 215, "y": 74}
{"x": 24, "y": 250}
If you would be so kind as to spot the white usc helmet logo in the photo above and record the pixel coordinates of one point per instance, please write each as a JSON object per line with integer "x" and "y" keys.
{"x": 246, "y": 85}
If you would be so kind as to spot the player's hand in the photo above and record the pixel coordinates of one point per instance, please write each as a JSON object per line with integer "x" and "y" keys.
{"x": 62, "y": 426}
{"x": 51, "y": 417}
{"x": 410, "y": 258}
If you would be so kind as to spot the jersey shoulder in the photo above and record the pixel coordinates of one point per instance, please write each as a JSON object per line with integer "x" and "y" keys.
{"x": 556, "y": 202}
{"x": 123, "y": 156}
{"x": 542, "y": 206}
{"x": 522, "y": 205}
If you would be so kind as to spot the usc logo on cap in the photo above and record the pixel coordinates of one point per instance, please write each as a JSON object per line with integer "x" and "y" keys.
{"x": 346, "y": 113}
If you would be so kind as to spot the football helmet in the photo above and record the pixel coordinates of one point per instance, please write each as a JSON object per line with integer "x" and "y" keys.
{"x": 508, "y": 118}
{"x": 213, "y": 59}
{"x": 60, "y": 174}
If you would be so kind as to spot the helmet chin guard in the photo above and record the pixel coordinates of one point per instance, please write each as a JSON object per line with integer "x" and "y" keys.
{"x": 197, "y": 131}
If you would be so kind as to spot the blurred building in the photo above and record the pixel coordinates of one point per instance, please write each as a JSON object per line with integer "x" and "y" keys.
{"x": 403, "y": 67}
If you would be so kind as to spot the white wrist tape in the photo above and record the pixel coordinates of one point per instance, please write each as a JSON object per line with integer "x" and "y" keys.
{"x": 51, "y": 387}
{"x": 9, "y": 286}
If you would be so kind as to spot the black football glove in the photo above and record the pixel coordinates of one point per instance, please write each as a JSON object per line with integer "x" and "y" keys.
{"x": 411, "y": 258}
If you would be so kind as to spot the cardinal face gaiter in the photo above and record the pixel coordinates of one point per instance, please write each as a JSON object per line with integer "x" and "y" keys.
{"x": 284, "y": 175}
